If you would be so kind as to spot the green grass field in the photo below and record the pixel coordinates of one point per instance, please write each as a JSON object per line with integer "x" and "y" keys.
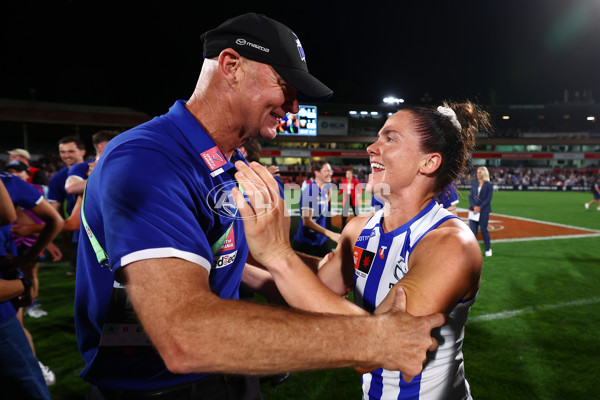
{"x": 531, "y": 334}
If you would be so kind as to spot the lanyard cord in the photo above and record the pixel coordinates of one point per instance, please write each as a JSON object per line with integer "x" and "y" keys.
{"x": 100, "y": 253}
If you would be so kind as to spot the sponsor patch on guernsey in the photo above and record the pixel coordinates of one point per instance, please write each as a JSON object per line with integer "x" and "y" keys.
{"x": 363, "y": 260}
{"x": 224, "y": 260}
{"x": 362, "y": 238}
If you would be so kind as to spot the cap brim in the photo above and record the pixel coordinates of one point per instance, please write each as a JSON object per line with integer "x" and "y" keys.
{"x": 308, "y": 86}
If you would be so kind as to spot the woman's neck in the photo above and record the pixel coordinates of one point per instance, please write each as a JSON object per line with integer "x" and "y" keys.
{"x": 398, "y": 213}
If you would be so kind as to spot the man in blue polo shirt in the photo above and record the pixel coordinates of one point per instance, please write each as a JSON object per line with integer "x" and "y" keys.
{"x": 71, "y": 150}
{"x": 311, "y": 236}
{"x": 162, "y": 248}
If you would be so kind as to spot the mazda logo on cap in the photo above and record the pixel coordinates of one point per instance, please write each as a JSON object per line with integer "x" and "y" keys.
{"x": 241, "y": 42}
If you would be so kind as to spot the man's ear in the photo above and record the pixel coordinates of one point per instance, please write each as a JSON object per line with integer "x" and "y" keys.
{"x": 229, "y": 65}
{"x": 430, "y": 163}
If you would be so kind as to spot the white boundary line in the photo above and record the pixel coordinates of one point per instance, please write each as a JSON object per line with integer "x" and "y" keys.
{"x": 513, "y": 313}
{"x": 582, "y": 235}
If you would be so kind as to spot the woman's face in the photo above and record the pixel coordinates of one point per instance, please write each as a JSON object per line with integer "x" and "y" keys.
{"x": 395, "y": 156}
{"x": 479, "y": 174}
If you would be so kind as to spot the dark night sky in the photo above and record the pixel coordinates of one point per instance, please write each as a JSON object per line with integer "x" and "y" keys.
{"x": 146, "y": 56}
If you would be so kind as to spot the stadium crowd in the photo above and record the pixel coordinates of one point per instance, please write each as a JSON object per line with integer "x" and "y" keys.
{"x": 535, "y": 176}
{"x": 50, "y": 163}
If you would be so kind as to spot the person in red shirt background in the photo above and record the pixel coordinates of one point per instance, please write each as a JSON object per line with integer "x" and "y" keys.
{"x": 352, "y": 190}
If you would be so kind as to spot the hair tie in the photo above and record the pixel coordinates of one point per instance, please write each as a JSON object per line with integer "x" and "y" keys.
{"x": 449, "y": 113}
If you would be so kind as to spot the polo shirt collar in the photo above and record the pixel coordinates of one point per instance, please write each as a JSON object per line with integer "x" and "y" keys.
{"x": 202, "y": 143}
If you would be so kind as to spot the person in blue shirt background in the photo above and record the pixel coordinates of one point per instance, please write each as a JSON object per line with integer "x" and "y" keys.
{"x": 595, "y": 193}
{"x": 448, "y": 198}
{"x": 311, "y": 236}
{"x": 72, "y": 151}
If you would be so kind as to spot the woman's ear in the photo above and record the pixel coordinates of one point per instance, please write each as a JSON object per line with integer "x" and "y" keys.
{"x": 431, "y": 163}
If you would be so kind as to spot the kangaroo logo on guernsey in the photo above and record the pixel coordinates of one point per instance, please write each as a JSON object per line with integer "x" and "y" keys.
{"x": 363, "y": 260}
{"x": 401, "y": 268}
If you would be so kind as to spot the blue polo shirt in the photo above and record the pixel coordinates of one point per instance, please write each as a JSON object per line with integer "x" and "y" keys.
{"x": 25, "y": 196}
{"x": 80, "y": 170}
{"x": 162, "y": 189}
{"x": 448, "y": 196}
{"x": 57, "y": 192}
{"x": 316, "y": 199}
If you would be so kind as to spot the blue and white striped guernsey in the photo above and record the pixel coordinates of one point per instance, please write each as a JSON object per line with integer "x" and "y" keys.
{"x": 380, "y": 261}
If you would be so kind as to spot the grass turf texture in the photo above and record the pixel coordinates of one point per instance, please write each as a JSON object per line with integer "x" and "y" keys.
{"x": 547, "y": 350}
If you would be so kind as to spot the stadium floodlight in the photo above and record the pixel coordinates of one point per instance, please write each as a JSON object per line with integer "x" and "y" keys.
{"x": 364, "y": 113}
{"x": 352, "y": 112}
{"x": 505, "y": 117}
{"x": 591, "y": 118}
{"x": 392, "y": 100}
{"x": 374, "y": 113}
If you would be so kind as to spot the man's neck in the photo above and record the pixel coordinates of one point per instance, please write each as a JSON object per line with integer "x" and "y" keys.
{"x": 219, "y": 129}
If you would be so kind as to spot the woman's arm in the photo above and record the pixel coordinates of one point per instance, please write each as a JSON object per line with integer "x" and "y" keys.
{"x": 308, "y": 222}
{"x": 444, "y": 268}
{"x": 486, "y": 198}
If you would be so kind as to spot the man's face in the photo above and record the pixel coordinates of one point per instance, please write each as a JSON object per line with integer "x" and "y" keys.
{"x": 268, "y": 98}
{"x": 70, "y": 154}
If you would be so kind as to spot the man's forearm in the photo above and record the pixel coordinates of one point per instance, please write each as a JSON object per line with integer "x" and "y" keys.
{"x": 196, "y": 331}
{"x": 243, "y": 338}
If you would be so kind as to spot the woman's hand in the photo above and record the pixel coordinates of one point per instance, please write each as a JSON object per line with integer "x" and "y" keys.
{"x": 266, "y": 224}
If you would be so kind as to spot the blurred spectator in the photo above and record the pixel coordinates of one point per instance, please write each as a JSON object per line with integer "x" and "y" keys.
{"x": 36, "y": 175}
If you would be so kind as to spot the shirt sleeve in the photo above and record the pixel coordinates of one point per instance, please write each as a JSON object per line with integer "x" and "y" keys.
{"x": 79, "y": 170}
{"x": 23, "y": 194}
{"x": 152, "y": 208}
